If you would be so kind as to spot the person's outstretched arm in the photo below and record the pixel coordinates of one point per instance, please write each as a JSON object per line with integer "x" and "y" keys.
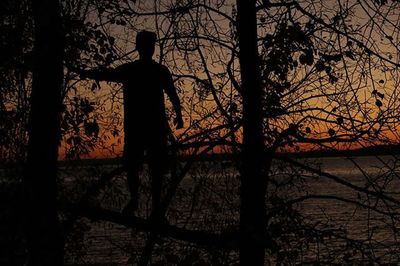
{"x": 173, "y": 97}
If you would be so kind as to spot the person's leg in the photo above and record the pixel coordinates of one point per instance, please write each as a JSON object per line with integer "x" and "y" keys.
{"x": 156, "y": 186}
{"x": 133, "y": 162}
{"x": 157, "y": 167}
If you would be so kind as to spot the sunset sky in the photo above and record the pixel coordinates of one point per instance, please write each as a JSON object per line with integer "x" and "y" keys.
{"x": 197, "y": 46}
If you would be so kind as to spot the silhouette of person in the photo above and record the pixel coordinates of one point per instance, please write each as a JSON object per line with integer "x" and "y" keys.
{"x": 145, "y": 122}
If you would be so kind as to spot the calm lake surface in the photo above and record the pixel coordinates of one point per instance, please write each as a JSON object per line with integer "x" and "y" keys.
{"x": 109, "y": 244}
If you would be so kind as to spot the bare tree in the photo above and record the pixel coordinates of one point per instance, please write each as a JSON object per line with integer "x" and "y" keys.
{"x": 318, "y": 62}
{"x": 327, "y": 74}
{"x": 44, "y": 237}
{"x": 253, "y": 178}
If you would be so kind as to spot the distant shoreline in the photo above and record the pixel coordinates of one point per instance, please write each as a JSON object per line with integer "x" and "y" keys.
{"x": 377, "y": 150}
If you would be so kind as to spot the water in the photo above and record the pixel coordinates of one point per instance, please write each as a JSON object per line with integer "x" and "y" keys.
{"x": 208, "y": 199}
{"x": 376, "y": 231}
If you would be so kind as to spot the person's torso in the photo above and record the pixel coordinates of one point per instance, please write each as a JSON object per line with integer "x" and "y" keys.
{"x": 143, "y": 95}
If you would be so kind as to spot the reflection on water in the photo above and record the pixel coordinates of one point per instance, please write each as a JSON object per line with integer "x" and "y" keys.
{"x": 373, "y": 165}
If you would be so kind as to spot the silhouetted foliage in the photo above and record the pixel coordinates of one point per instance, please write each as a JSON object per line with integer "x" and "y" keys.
{"x": 329, "y": 76}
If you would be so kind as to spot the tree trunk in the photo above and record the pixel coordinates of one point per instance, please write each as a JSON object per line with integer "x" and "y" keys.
{"x": 44, "y": 238}
{"x": 253, "y": 179}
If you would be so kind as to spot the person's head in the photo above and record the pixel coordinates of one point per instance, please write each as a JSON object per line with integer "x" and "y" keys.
{"x": 145, "y": 44}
